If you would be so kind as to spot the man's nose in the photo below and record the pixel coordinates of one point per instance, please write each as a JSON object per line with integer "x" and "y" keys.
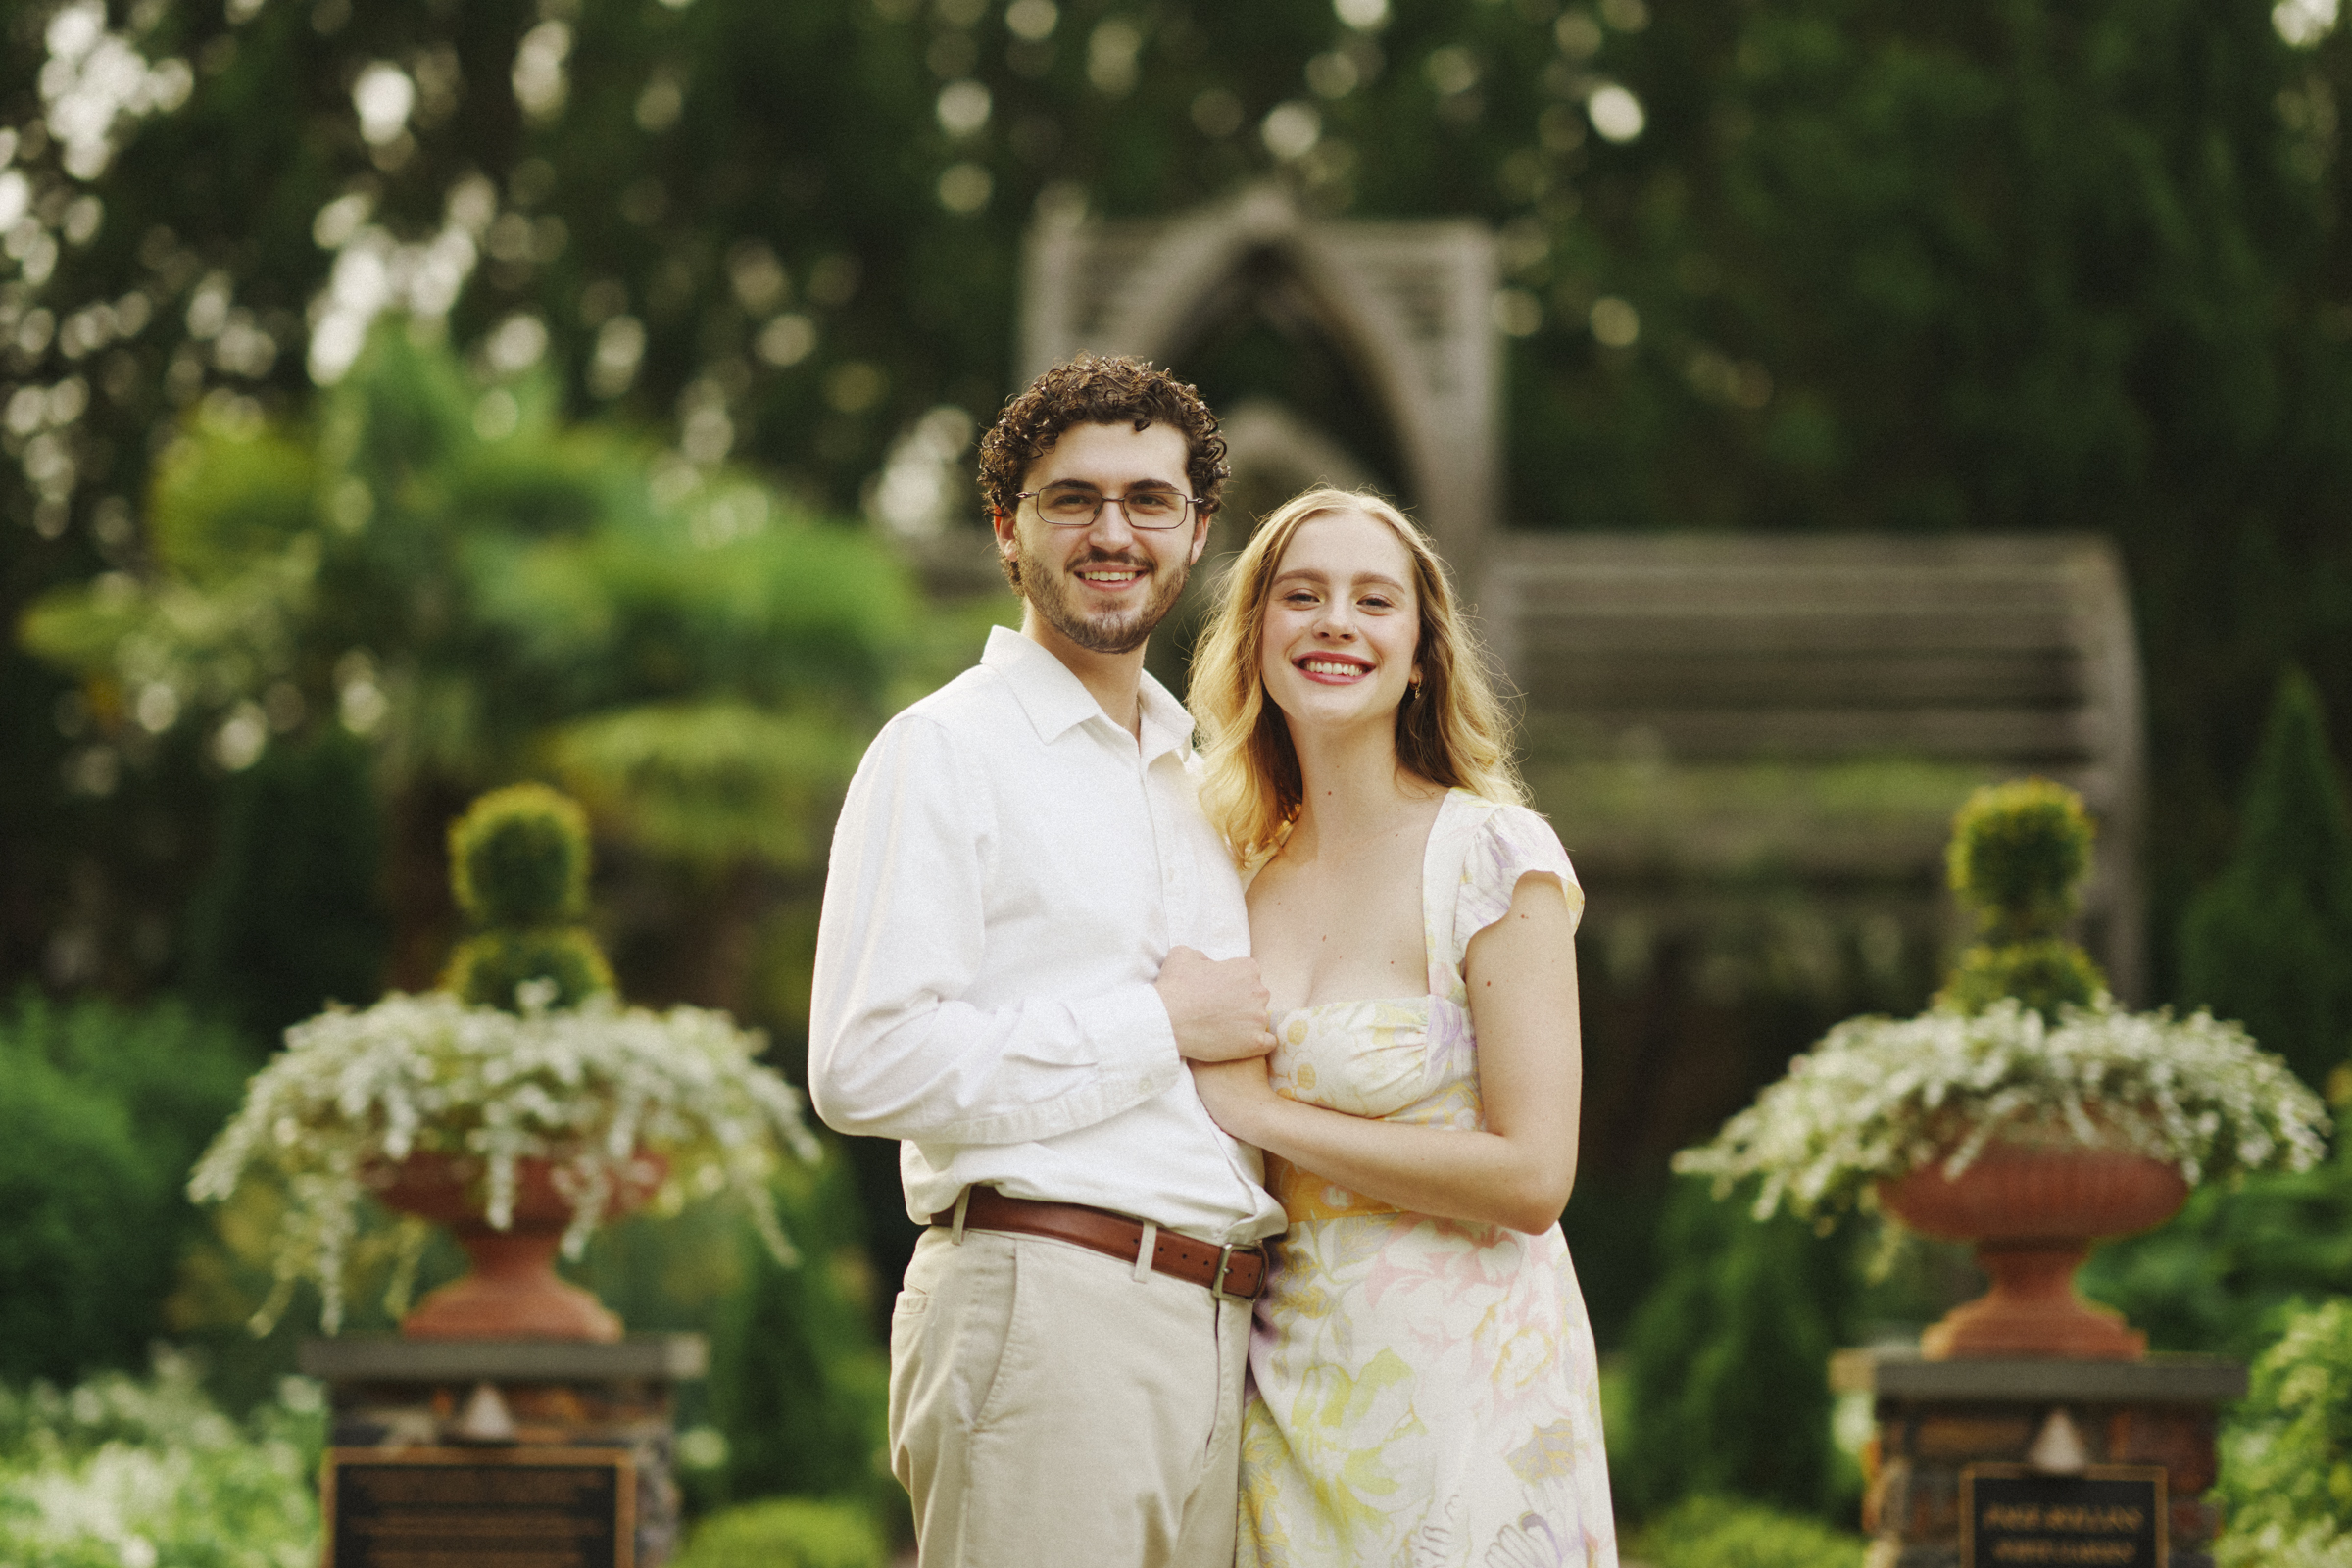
{"x": 1105, "y": 527}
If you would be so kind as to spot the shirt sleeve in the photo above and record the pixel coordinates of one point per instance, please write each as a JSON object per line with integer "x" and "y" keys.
{"x": 1512, "y": 842}
{"x": 894, "y": 1051}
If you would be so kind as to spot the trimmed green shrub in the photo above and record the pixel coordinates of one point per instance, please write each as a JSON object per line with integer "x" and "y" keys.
{"x": 1725, "y": 1533}
{"x": 123, "y": 1471}
{"x": 2285, "y": 1487}
{"x": 487, "y": 968}
{"x": 786, "y": 1533}
{"x": 2017, "y": 859}
{"x": 2269, "y": 942}
{"x": 519, "y": 866}
{"x": 519, "y": 857}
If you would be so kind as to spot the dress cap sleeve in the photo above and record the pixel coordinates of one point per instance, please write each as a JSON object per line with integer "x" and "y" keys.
{"x": 1509, "y": 844}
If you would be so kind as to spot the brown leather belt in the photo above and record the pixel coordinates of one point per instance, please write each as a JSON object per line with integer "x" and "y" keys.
{"x": 1237, "y": 1272}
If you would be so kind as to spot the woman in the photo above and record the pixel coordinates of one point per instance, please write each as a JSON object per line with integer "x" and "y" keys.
{"x": 1423, "y": 1379}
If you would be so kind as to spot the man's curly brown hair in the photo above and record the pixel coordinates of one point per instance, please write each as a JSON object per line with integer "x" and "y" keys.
{"x": 1097, "y": 389}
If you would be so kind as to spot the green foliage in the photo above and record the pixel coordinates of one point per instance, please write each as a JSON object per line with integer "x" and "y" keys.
{"x": 518, "y": 867}
{"x": 519, "y": 857}
{"x": 2218, "y": 1277}
{"x": 292, "y": 914}
{"x": 1710, "y": 1531}
{"x": 799, "y": 1386}
{"x": 2044, "y": 974}
{"x": 786, "y": 1533}
{"x": 102, "y": 1111}
{"x": 1726, "y": 1357}
{"x": 2269, "y": 942}
{"x": 125, "y": 1470}
{"x": 487, "y": 968}
{"x": 2018, "y": 857}
{"x": 2285, "y": 1487}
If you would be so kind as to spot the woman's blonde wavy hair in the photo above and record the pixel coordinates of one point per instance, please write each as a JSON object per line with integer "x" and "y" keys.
{"x": 1450, "y": 730}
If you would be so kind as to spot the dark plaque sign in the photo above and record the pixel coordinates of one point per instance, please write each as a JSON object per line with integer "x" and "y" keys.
{"x": 2110, "y": 1516}
{"x": 480, "y": 1508}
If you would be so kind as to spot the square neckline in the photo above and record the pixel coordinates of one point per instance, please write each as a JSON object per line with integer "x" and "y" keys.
{"x": 1427, "y": 996}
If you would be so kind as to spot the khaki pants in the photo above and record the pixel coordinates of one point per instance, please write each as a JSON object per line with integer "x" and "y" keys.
{"x": 1049, "y": 1407}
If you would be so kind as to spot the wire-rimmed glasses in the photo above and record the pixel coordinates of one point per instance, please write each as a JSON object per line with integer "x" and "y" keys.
{"x": 1068, "y": 504}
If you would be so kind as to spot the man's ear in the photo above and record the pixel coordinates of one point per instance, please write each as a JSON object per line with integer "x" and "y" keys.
{"x": 1003, "y": 525}
{"x": 1200, "y": 539}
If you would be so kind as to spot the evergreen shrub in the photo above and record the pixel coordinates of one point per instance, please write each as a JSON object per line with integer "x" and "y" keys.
{"x": 102, "y": 1111}
{"x": 2269, "y": 942}
{"x": 1724, "y": 1361}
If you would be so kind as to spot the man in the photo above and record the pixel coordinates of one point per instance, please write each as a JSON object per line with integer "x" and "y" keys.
{"x": 1028, "y": 927}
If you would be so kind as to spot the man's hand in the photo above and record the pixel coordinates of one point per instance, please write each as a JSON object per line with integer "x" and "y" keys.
{"x": 1217, "y": 1006}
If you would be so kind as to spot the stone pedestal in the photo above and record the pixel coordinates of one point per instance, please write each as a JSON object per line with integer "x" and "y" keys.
{"x": 394, "y": 1394}
{"x": 1938, "y": 1418}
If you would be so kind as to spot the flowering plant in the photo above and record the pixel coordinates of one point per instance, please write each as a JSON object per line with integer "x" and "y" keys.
{"x": 1879, "y": 1097}
{"x": 2024, "y": 1045}
{"x": 594, "y": 1089}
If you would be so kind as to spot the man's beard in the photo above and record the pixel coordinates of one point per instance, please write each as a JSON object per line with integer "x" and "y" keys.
{"x": 1046, "y": 584}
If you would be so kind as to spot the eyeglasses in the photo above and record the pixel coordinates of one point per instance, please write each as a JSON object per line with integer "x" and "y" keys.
{"x": 1070, "y": 505}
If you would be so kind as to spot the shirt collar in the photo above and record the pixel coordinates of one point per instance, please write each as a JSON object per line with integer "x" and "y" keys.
{"x": 1056, "y": 700}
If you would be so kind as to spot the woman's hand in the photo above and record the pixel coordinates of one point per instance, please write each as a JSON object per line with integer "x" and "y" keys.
{"x": 1233, "y": 1092}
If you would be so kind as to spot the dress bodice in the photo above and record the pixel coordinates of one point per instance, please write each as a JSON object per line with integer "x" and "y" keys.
{"x": 1414, "y": 1058}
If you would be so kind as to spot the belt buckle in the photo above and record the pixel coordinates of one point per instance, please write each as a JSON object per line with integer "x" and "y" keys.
{"x": 1216, "y": 1286}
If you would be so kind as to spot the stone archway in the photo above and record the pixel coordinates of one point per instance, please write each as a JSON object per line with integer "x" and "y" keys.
{"x": 1406, "y": 304}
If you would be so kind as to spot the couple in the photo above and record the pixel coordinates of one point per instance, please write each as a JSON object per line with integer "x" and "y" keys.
{"x": 1039, "y": 968}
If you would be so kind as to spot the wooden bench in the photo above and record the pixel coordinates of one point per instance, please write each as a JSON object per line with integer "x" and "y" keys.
{"x": 1705, "y": 712}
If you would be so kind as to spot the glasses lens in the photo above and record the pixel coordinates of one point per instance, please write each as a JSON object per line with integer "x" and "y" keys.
{"x": 1067, "y": 503}
{"x": 1155, "y": 509}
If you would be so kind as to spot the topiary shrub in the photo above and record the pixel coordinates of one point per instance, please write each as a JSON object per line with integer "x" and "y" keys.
{"x": 518, "y": 865}
{"x": 2018, "y": 857}
{"x": 2269, "y": 942}
{"x": 786, "y": 1533}
{"x": 2285, "y": 1487}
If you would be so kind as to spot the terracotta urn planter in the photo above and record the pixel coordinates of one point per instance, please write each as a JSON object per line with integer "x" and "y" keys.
{"x": 513, "y": 1290}
{"x": 2035, "y": 1209}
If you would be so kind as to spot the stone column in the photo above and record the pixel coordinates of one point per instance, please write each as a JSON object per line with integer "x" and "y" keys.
{"x": 1937, "y": 1418}
{"x": 397, "y": 1394}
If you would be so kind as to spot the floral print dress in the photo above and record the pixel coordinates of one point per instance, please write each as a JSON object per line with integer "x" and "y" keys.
{"x": 1424, "y": 1392}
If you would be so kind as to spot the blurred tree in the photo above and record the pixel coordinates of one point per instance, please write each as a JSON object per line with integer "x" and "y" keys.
{"x": 2269, "y": 943}
{"x": 1833, "y": 263}
{"x": 481, "y": 592}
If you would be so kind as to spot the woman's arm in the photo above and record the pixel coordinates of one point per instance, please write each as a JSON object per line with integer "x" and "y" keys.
{"x": 1521, "y": 974}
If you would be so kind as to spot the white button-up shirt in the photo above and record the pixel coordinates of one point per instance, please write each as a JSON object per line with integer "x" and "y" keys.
{"x": 1009, "y": 873}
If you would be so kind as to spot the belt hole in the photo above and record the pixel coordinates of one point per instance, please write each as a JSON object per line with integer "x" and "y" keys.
{"x": 1145, "y": 1250}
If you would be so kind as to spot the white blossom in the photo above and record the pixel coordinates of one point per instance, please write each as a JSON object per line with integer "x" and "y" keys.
{"x": 596, "y": 1091}
{"x": 1879, "y": 1098}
